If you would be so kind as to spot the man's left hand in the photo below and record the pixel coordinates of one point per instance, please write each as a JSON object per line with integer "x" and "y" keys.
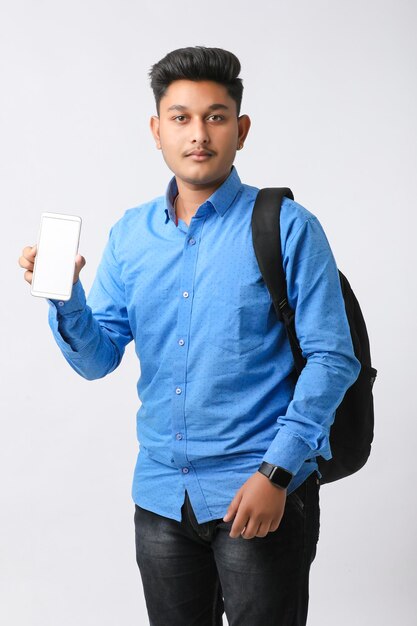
{"x": 257, "y": 507}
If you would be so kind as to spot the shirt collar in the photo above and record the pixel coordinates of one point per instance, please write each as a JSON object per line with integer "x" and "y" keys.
{"x": 221, "y": 199}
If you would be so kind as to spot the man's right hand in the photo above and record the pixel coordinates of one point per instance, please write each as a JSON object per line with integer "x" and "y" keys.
{"x": 27, "y": 261}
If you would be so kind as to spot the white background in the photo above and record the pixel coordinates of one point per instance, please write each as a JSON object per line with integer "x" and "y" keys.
{"x": 331, "y": 90}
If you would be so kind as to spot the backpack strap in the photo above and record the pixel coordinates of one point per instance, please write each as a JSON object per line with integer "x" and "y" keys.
{"x": 266, "y": 236}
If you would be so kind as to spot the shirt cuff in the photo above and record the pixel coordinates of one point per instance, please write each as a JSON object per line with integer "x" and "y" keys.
{"x": 76, "y": 303}
{"x": 288, "y": 451}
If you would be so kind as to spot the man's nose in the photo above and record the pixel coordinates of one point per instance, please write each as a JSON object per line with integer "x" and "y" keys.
{"x": 199, "y": 132}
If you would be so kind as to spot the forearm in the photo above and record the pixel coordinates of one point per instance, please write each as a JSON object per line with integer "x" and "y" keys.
{"x": 303, "y": 432}
{"x": 84, "y": 342}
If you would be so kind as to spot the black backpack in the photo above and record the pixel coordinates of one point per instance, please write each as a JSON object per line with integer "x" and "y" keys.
{"x": 352, "y": 432}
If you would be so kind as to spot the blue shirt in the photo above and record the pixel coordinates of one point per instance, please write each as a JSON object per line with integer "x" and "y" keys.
{"x": 216, "y": 388}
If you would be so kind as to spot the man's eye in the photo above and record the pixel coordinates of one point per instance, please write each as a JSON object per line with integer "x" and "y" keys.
{"x": 219, "y": 118}
{"x": 179, "y": 118}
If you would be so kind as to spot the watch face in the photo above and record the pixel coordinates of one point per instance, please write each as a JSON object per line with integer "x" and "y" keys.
{"x": 281, "y": 477}
{"x": 276, "y": 474}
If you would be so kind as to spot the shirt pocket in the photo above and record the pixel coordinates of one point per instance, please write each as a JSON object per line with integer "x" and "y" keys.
{"x": 240, "y": 323}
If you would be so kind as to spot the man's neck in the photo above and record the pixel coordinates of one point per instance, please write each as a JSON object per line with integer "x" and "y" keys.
{"x": 190, "y": 198}
{"x": 185, "y": 210}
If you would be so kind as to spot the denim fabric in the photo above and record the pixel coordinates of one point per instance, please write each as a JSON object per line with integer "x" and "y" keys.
{"x": 192, "y": 573}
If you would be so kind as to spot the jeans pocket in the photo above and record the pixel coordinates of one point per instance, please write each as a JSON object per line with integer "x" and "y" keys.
{"x": 295, "y": 499}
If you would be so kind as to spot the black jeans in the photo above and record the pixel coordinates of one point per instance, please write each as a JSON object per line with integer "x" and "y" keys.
{"x": 191, "y": 573}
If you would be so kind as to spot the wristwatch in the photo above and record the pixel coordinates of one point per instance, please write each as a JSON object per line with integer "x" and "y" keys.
{"x": 276, "y": 474}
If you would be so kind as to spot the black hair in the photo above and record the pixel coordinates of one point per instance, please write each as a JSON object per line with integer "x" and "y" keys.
{"x": 198, "y": 63}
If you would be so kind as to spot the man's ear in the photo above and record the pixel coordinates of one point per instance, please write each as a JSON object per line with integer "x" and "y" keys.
{"x": 244, "y": 123}
{"x": 154, "y": 123}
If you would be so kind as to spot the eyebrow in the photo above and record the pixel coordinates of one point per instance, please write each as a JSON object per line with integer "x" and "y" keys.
{"x": 212, "y": 107}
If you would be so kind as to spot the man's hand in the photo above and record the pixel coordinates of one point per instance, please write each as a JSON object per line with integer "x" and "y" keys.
{"x": 257, "y": 507}
{"x": 27, "y": 261}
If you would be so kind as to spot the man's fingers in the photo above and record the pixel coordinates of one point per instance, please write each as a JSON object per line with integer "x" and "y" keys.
{"x": 233, "y": 506}
{"x": 30, "y": 252}
{"x": 240, "y": 521}
{"x": 263, "y": 530}
{"x": 251, "y": 529}
{"x": 79, "y": 264}
{"x": 25, "y": 263}
{"x": 274, "y": 526}
{"x": 27, "y": 259}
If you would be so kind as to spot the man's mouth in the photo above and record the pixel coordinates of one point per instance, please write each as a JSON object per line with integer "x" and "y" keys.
{"x": 199, "y": 155}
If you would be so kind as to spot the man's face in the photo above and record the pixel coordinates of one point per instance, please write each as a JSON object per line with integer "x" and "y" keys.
{"x": 198, "y": 131}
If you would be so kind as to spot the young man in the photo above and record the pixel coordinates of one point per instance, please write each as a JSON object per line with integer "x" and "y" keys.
{"x": 219, "y": 404}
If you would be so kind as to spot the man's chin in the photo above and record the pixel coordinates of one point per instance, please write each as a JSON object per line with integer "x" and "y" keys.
{"x": 201, "y": 176}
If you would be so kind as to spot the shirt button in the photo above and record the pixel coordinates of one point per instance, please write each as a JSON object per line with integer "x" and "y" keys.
{"x": 178, "y": 436}
{"x": 185, "y": 470}
{"x": 181, "y": 342}
{"x": 61, "y": 303}
{"x": 191, "y": 241}
{"x": 178, "y": 391}
{"x": 185, "y": 294}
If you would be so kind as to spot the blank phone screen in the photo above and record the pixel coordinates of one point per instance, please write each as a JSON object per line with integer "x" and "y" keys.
{"x": 55, "y": 259}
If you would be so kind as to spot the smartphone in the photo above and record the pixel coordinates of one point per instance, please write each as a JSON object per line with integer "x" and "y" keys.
{"x": 58, "y": 240}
